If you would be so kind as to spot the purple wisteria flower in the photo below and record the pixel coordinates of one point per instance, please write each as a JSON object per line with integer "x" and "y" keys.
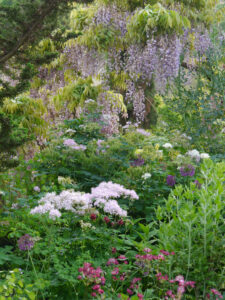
{"x": 170, "y": 180}
{"x": 25, "y": 242}
{"x": 188, "y": 170}
{"x": 137, "y": 162}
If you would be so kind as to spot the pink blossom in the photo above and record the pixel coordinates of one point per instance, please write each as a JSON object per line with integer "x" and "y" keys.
{"x": 100, "y": 291}
{"x": 93, "y": 294}
{"x": 160, "y": 277}
{"x": 180, "y": 290}
{"x": 147, "y": 250}
{"x": 96, "y": 287}
{"x": 114, "y": 250}
{"x": 102, "y": 280}
{"x": 140, "y": 296}
{"x": 215, "y": 292}
{"x": 112, "y": 261}
{"x": 107, "y": 220}
{"x": 136, "y": 279}
{"x": 122, "y": 277}
{"x": 130, "y": 292}
{"x": 120, "y": 222}
{"x": 122, "y": 257}
{"x": 165, "y": 252}
{"x": 115, "y": 271}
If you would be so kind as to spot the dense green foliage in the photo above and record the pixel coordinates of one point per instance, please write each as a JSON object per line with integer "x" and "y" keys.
{"x": 93, "y": 206}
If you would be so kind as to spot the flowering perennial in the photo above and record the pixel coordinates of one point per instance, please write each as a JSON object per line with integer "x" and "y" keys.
{"x": 171, "y": 180}
{"x": 102, "y": 196}
{"x": 72, "y": 144}
{"x": 194, "y": 154}
{"x": 167, "y": 145}
{"x": 25, "y": 242}
{"x": 188, "y": 170}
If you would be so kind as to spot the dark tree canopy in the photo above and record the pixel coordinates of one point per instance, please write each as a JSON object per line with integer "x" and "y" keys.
{"x": 23, "y": 24}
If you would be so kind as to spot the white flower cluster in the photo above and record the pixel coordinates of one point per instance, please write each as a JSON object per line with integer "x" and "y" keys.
{"x": 102, "y": 196}
{"x": 167, "y": 145}
{"x": 68, "y": 200}
{"x": 86, "y": 226}
{"x": 146, "y": 176}
{"x": 195, "y": 154}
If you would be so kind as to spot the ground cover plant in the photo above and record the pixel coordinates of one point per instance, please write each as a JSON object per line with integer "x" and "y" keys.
{"x": 112, "y": 171}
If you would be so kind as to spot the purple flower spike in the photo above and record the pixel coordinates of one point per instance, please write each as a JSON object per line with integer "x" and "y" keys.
{"x": 171, "y": 180}
{"x": 198, "y": 184}
{"x": 138, "y": 162}
{"x": 25, "y": 242}
{"x": 188, "y": 170}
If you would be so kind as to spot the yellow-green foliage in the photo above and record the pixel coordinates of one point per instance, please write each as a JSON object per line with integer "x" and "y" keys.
{"x": 118, "y": 80}
{"x": 75, "y": 93}
{"x": 81, "y": 17}
{"x": 197, "y": 11}
{"x": 30, "y": 112}
{"x": 99, "y": 37}
{"x": 158, "y": 18}
{"x": 116, "y": 101}
{"x": 13, "y": 286}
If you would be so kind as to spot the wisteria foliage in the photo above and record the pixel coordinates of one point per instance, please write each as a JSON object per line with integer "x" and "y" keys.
{"x": 143, "y": 65}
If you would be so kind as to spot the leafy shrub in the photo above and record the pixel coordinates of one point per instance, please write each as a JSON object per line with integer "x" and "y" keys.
{"x": 192, "y": 225}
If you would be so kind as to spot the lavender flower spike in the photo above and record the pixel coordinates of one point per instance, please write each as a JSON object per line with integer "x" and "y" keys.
{"x": 171, "y": 180}
{"x": 188, "y": 170}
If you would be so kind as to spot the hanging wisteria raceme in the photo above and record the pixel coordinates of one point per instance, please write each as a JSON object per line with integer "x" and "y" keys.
{"x": 112, "y": 16}
{"x": 87, "y": 61}
{"x": 202, "y": 41}
{"x": 158, "y": 60}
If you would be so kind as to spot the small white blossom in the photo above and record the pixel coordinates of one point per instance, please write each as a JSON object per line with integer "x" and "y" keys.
{"x": 204, "y": 155}
{"x": 167, "y": 145}
{"x": 70, "y": 131}
{"x": 146, "y": 176}
{"x": 37, "y": 189}
{"x": 194, "y": 154}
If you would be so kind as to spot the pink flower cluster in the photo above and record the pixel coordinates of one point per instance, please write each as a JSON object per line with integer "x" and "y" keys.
{"x": 114, "y": 261}
{"x": 182, "y": 284}
{"x": 92, "y": 276}
{"x": 73, "y": 145}
{"x": 149, "y": 257}
{"x": 215, "y": 292}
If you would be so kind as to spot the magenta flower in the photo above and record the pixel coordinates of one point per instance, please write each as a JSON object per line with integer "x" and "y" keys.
{"x": 188, "y": 170}
{"x": 114, "y": 250}
{"x": 93, "y": 216}
{"x": 120, "y": 222}
{"x": 171, "y": 180}
{"x": 130, "y": 292}
{"x": 140, "y": 296}
{"x": 107, "y": 220}
{"x": 112, "y": 261}
{"x": 147, "y": 250}
{"x": 115, "y": 271}
{"x": 215, "y": 292}
{"x": 25, "y": 242}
